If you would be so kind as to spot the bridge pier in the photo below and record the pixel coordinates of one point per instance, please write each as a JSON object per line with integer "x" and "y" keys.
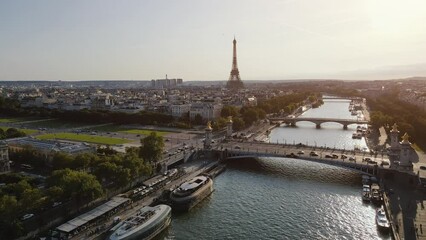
{"x": 318, "y": 125}
{"x": 345, "y": 126}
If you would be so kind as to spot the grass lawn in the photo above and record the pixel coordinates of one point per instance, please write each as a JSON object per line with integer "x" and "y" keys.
{"x": 144, "y": 132}
{"x": 11, "y": 120}
{"x": 116, "y": 128}
{"x": 26, "y": 131}
{"x": 84, "y": 138}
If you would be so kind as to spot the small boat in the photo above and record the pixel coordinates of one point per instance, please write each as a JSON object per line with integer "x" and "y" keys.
{"x": 376, "y": 196}
{"x": 356, "y": 135}
{"x": 382, "y": 221}
{"x": 365, "y": 180}
{"x": 366, "y": 195}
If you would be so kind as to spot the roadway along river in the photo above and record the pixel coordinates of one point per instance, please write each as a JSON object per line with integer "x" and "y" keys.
{"x": 280, "y": 198}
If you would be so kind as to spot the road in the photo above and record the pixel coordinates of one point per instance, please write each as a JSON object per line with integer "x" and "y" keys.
{"x": 283, "y": 150}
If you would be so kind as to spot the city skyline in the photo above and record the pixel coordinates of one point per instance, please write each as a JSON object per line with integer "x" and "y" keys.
{"x": 144, "y": 40}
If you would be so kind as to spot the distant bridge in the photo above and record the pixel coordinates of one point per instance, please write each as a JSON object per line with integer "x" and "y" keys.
{"x": 344, "y": 98}
{"x": 317, "y": 121}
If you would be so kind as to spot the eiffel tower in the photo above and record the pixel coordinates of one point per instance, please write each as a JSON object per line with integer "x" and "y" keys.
{"x": 234, "y": 81}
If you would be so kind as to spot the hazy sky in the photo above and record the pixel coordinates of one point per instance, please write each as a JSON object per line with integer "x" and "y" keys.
{"x": 276, "y": 39}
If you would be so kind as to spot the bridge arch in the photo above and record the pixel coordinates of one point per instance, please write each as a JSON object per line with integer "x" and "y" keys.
{"x": 356, "y": 167}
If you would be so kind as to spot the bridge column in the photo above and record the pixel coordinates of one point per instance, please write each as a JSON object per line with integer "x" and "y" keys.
{"x": 318, "y": 125}
{"x": 345, "y": 126}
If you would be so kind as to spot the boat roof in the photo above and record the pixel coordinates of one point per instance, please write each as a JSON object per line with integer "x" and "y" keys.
{"x": 79, "y": 221}
{"x": 144, "y": 217}
{"x": 195, "y": 182}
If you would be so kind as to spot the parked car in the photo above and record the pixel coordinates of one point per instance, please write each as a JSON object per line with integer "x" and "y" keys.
{"x": 343, "y": 156}
{"x": 335, "y": 156}
{"x": 300, "y": 152}
{"x": 353, "y": 159}
{"x": 328, "y": 156}
{"x": 371, "y": 161}
{"x": 313, "y": 154}
{"x": 27, "y": 216}
{"x": 386, "y": 163}
{"x": 237, "y": 147}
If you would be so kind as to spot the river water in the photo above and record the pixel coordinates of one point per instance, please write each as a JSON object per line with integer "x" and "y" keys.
{"x": 329, "y": 135}
{"x": 280, "y": 198}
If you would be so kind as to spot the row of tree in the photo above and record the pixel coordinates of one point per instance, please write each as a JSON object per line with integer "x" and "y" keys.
{"x": 12, "y": 107}
{"x": 388, "y": 110}
{"x": 79, "y": 179}
{"x": 11, "y": 133}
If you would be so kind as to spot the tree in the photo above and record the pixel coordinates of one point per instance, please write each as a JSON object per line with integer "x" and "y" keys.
{"x": 250, "y": 116}
{"x": 219, "y": 124}
{"x": 152, "y": 147}
{"x": 84, "y": 160}
{"x": 229, "y": 111}
{"x": 10, "y": 226}
{"x": 198, "y": 119}
{"x": 14, "y": 133}
{"x": 237, "y": 124}
{"x": 31, "y": 199}
{"x": 62, "y": 160}
{"x": 78, "y": 185}
{"x": 261, "y": 113}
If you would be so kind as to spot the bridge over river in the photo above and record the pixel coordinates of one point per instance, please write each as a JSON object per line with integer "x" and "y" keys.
{"x": 241, "y": 150}
{"x": 317, "y": 121}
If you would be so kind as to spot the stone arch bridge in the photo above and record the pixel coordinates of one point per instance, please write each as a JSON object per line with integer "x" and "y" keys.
{"x": 317, "y": 121}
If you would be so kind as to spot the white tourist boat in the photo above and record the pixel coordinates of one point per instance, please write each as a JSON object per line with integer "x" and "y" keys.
{"x": 147, "y": 223}
{"x": 382, "y": 221}
{"x": 190, "y": 193}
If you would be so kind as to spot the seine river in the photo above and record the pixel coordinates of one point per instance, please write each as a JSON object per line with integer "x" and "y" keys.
{"x": 280, "y": 198}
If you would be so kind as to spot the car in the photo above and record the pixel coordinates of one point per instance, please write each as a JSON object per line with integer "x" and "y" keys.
{"x": 27, "y": 216}
{"x": 292, "y": 155}
{"x": 371, "y": 161}
{"x": 423, "y": 167}
{"x": 237, "y": 147}
{"x": 343, "y": 156}
{"x": 328, "y": 156}
{"x": 335, "y": 156}
{"x": 213, "y": 141}
{"x": 366, "y": 159}
{"x": 385, "y": 163}
{"x": 300, "y": 152}
{"x": 55, "y": 204}
{"x": 353, "y": 159}
{"x": 138, "y": 135}
{"x": 313, "y": 154}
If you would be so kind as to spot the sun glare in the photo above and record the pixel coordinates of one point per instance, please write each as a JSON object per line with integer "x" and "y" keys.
{"x": 397, "y": 16}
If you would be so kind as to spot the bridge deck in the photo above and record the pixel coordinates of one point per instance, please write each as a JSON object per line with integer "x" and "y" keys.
{"x": 251, "y": 149}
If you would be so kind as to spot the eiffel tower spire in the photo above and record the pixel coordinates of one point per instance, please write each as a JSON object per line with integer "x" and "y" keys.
{"x": 234, "y": 81}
